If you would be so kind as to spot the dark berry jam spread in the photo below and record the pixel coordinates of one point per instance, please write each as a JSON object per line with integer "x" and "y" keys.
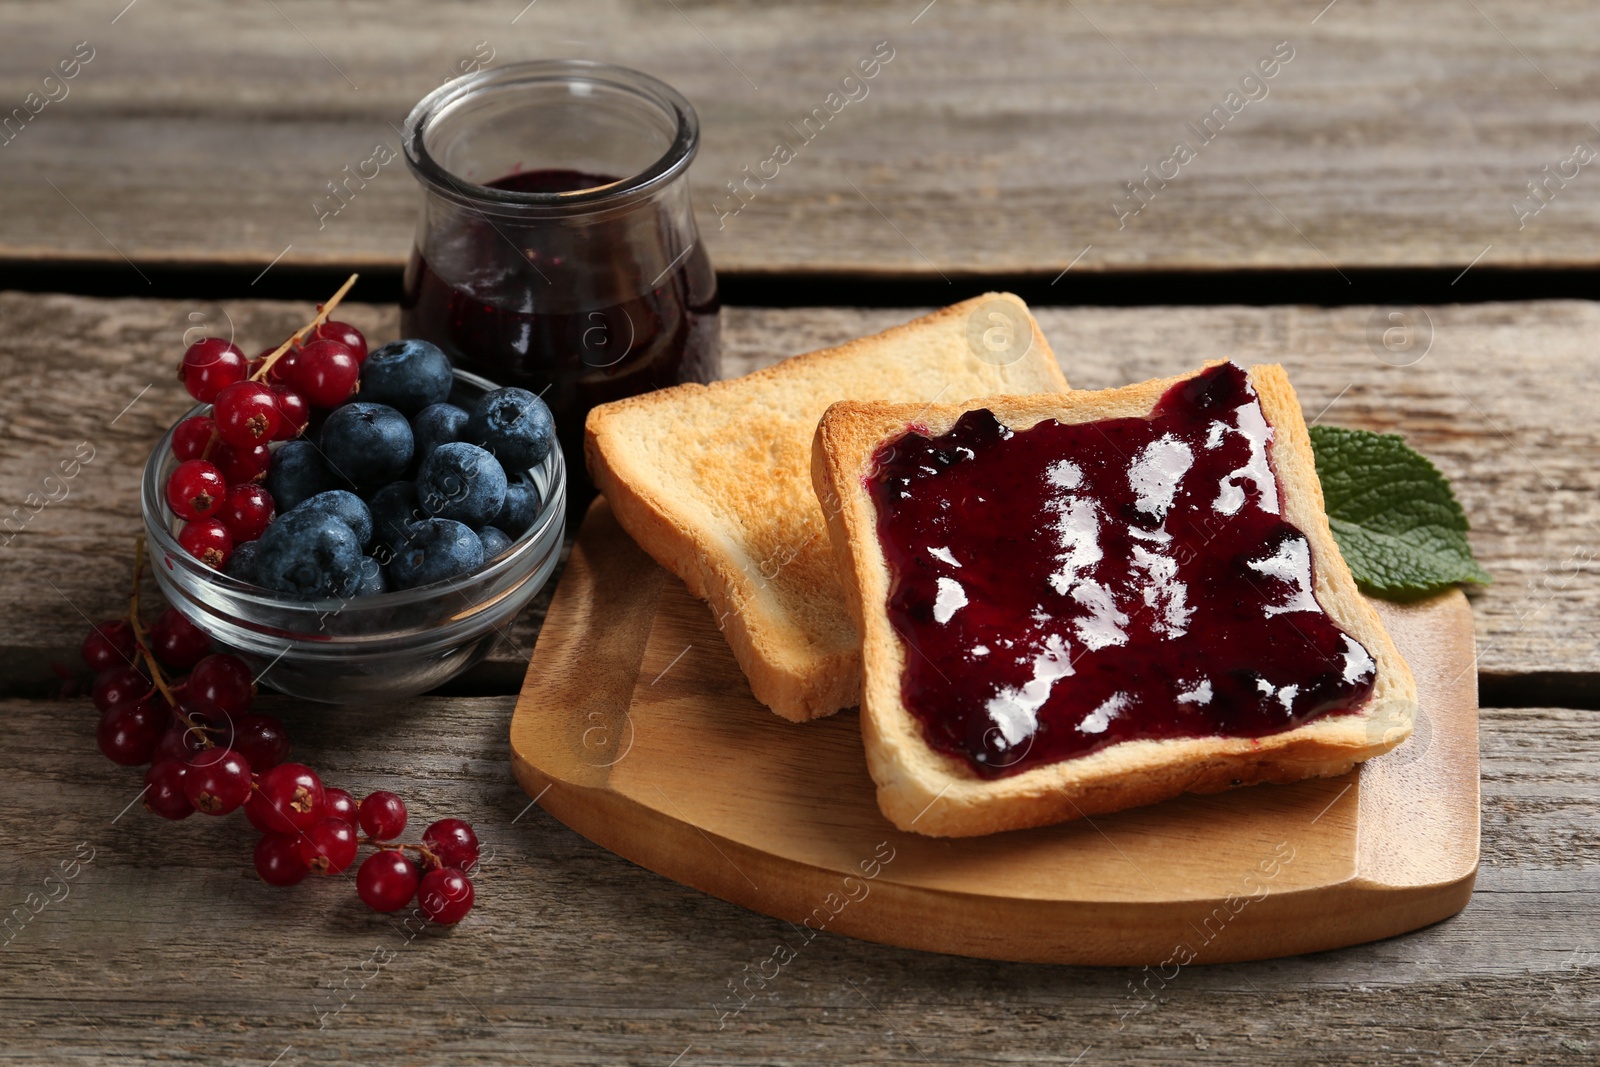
{"x": 1063, "y": 588}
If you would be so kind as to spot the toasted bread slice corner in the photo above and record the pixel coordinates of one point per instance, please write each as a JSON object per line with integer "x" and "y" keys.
{"x": 713, "y": 481}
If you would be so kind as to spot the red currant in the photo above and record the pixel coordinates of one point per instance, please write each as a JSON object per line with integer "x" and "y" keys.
{"x": 258, "y": 809}
{"x": 246, "y": 511}
{"x": 283, "y": 370}
{"x": 328, "y": 846}
{"x": 257, "y": 813}
{"x": 288, "y": 798}
{"x": 163, "y": 790}
{"x": 195, "y": 489}
{"x": 178, "y": 743}
{"x": 294, "y": 411}
{"x": 241, "y": 466}
{"x": 383, "y": 816}
{"x": 193, "y": 434}
{"x": 386, "y": 881}
{"x": 118, "y": 686}
{"x": 210, "y": 365}
{"x": 177, "y": 642}
{"x": 110, "y": 644}
{"x": 129, "y": 732}
{"x": 326, "y": 373}
{"x": 218, "y": 781}
{"x": 339, "y": 804}
{"x": 223, "y": 680}
{"x": 207, "y": 541}
{"x": 345, "y": 334}
{"x": 453, "y": 841}
{"x": 278, "y": 860}
{"x": 246, "y": 413}
{"x": 262, "y": 740}
{"x": 445, "y": 895}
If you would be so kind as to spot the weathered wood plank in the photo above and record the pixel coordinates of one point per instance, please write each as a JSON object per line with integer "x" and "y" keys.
{"x": 1497, "y": 401}
{"x": 166, "y": 946}
{"x": 1000, "y": 137}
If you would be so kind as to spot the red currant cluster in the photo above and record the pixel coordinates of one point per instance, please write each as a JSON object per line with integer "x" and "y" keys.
{"x": 208, "y": 752}
{"x": 223, "y": 457}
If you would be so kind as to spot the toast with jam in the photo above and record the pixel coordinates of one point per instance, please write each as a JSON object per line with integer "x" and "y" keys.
{"x": 713, "y": 481}
{"x": 1078, "y": 603}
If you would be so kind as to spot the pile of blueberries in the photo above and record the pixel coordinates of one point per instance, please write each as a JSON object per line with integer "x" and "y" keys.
{"x": 399, "y": 488}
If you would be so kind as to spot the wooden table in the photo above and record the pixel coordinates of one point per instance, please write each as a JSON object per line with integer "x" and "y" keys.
{"x": 991, "y": 149}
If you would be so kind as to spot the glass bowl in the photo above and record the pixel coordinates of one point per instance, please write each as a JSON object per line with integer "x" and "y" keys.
{"x": 362, "y": 649}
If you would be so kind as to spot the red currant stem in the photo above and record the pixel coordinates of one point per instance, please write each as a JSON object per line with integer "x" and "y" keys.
{"x": 430, "y": 858}
{"x": 294, "y": 339}
{"x": 141, "y": 639}
{"x": 300, "y": 334}
{"x": 384, "y": 844}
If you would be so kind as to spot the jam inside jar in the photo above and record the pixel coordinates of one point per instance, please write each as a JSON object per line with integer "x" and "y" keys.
{"x": 557, "y": 249}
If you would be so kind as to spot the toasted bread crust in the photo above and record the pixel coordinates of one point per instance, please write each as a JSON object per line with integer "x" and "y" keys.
{"x": 925, "y": 791}
{"x": 713, "y": 481}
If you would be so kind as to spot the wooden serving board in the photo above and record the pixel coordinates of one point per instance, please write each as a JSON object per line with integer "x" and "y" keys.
{"x": 636, "y": 728}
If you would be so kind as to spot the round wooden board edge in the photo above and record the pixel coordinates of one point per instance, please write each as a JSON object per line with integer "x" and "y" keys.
{"x": 881, "y": 910}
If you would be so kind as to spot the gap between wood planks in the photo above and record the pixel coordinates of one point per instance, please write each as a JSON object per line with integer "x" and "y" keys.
{"x": 381, "y": 283}
{"x": 1578, "y": 692}
{"x": 1540, "y": 689}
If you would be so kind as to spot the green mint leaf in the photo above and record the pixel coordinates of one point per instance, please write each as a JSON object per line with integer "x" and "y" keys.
{"x": 1394, "y": 515}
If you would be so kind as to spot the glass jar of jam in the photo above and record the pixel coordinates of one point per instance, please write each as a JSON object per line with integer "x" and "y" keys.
{"x": 557, "y": 249}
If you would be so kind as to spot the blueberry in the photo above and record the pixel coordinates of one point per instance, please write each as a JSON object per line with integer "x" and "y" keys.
{"x": 520, "y": 509}
{"x": 309, "y": 554}
{"x": 394, "y": 507}
{"x": 494, "y": 542}
{"x": 435, "y": 425}
{"x": 434, "y": 550}
{"x": 297, "y": 472}
{"x": 462, "y": 482}
{"x": 366, "y": 443}
{"x": 372, "y": 581}
{"x": 242, "y": 564}
{"x": 344, "y": 506}
{"x": 408, "y": 375}
{"x": 515, "y": 425}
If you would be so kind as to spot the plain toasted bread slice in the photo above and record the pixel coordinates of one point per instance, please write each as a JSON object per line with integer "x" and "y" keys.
{"x": 713, "y": 481}
{"x": 927, "y": 791}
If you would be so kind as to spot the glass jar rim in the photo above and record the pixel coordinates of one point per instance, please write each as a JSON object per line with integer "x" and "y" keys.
{"x": 673, "y": 162}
